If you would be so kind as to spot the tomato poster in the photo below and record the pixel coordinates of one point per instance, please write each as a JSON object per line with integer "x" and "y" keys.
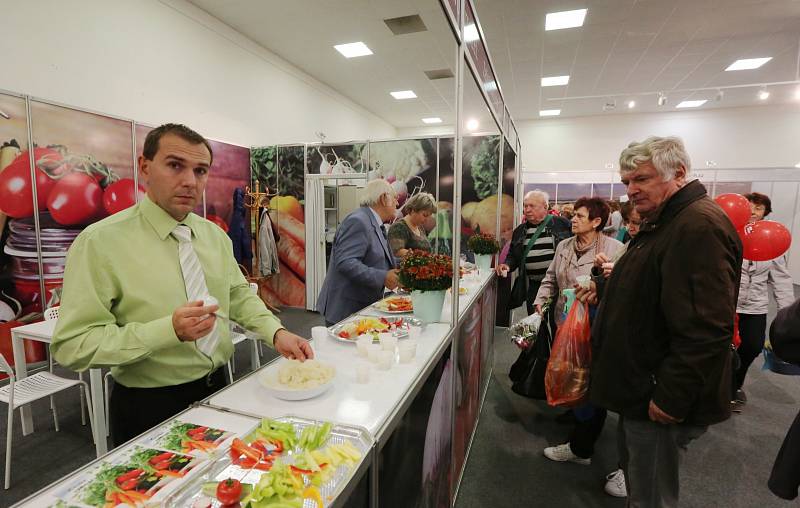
{"x": 17, "y": 274}
{"x": 138, "y": 476}
{"x": 281, "y": 171}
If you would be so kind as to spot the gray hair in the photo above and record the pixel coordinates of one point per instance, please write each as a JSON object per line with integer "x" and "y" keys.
{"x": 420, "y": 202}
{"x": 538, "y": 194}
{"x": 374, "y": 190}
{"x": 666, "y": 154}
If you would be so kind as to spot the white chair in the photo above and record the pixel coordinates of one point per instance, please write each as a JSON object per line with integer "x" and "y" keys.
{"x": 53, "y": 313}
{"x": 27, "y": 390}
{"x": 238, "y": 338}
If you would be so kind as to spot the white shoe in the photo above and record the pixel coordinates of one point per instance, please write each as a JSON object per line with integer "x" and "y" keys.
{"x": 562, "y": 453}
{"x": 615, "y": 484}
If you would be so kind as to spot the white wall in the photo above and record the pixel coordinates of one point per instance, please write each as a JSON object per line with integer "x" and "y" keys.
{"x": 755, "y": 137}
{"x": 158, "y": 61}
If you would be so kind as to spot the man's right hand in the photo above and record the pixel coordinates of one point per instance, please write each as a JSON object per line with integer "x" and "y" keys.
{"x": 392, "y": 278}
{"x": 501, "y": 269}
{"x": 193, "y": 320}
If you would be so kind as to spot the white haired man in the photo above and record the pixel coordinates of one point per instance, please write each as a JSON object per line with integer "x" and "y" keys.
{"x": 361, "y": 262}
{"x": 662, "y": 334}
{"x": 534, "y": 266}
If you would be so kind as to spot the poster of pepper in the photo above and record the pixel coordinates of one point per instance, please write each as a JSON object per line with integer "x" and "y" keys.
{"x": 84, "y": 170}
{"x": 136, "y": 477}
{"x": 224, "y": 194}
{"x": 282, "y": 231}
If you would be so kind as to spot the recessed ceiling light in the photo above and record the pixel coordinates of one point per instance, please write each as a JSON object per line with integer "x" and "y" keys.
{"x": 353, "y": 49}
{"x": 555, "y": 81}
{"x": 797, "y": 165}
{"x": 471, "y": 33}
{"x": 763, "y": 94}
{"x": 404, "y": 94}
{"x": 691, "y": 104}
{"x": 631, "y": 104}
{"x": 433, "y": 119}
{"x": 748, "y": 63}
{"x": 797, "y": 93}
{"x": 550, "y": 112}
{"x": 472, "y": 124}
{"x": 564, "y": 19}
{"x": 490, "y": 86}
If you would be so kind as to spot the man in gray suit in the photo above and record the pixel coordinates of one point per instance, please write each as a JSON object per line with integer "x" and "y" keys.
{"x": 361, "y": 263}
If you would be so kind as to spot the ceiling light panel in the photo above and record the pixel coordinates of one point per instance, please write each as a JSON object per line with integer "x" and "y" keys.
{"x": 748, "y": 64}
{"x": 564, "y": 19}
{"x": 433, "y": 119}
{"x": 404, "y": 94}
{"x": 555, "y": 81}
{"x": 550, "y": 112}
{"x": 691, "y": 104}
{"x": 353, "y": 49}
{"x": 471, "y": 33}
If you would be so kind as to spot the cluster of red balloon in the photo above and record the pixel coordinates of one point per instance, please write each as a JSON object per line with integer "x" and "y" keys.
{"x": 762, "y": 240}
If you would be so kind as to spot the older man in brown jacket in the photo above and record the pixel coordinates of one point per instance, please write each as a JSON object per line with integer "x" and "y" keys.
{"x": 662, "y": 335}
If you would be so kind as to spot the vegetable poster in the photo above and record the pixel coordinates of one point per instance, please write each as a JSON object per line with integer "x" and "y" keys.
{"x": 468, "y": 365}
{"x": 337, "y": 159}
{"x": 84, "y": 172}
{"x": 16, "y": 195}
{"x": 479, "y": 191}
{"x": 509, "y": 176}
{"x": 280, "y": 170}
{"x": 409, "y": 165}
{"x": 139, "y": 475}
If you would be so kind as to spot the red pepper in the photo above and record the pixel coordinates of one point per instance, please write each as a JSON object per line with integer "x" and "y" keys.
{"x": 344, "y": 335}
{"x": 161, "y": 457}
{"x": 241, "y": 448}
{"x": 128, "y": 484}
{"x": 297, "y": 470}
{"x": 127, "y": 476}
{"x": 160, "y": 466}
{"x": 278, "y": 444}
{"x": 229, "y": 491}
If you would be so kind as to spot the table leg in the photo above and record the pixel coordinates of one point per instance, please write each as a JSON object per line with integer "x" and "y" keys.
{"x": 255, "y": 361}
{"x": 98, "y": 411}
{"x": 21, "y": 367}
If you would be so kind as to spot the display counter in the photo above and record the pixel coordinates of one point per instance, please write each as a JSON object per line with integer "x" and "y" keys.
{"x": 421, "y": 414}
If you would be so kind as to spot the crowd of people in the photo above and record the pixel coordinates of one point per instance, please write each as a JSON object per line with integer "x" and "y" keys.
{"x": 664, "y": 354}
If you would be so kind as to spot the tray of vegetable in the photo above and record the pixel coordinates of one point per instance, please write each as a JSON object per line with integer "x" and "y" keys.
{"x": 287, "y": 462}
{"x": 349, "y": 330}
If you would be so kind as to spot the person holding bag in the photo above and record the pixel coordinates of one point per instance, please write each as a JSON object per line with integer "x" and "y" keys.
{"x": 533, "y": 246}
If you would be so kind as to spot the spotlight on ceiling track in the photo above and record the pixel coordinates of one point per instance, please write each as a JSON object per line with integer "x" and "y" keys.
{"x": 610, "y": 105}
{"x": 763, "y": 94}
{"x": 720, "y": 95}
{"x": 662, "y": 99}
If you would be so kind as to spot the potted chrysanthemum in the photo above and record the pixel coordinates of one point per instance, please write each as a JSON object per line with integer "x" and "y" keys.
{"x": 428, "y": 276}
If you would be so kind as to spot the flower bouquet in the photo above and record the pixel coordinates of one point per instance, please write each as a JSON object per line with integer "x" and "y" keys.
{"x": 485, "y": 246}
{"x": 428, "y": 276}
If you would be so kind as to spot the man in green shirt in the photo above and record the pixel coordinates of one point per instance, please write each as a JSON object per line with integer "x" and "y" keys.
{"x": 126, "y": 286}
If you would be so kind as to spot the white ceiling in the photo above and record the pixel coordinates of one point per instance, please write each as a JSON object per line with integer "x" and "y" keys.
{"x": 632, "y": 49}
{"x": 627, "y": 50}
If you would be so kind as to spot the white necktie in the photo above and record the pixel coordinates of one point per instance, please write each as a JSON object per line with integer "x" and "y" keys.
{"x": 195, "y": 282}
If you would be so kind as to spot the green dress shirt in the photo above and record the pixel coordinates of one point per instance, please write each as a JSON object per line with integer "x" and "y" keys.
{"x": 122, "y": 283}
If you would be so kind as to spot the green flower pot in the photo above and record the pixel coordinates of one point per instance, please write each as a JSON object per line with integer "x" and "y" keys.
{"x": 428, "y": 305}
{"x": 483, "y": 261}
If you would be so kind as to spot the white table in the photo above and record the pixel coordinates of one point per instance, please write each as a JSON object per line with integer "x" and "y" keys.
{"x": 43, "y": 332}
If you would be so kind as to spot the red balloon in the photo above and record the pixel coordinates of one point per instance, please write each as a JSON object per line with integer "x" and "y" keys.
{"x": 736, "y": 207}
{"x": 765, "y": 240}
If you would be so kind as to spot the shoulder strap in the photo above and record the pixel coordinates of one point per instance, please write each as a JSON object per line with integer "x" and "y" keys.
{"x": 536, "y": 235}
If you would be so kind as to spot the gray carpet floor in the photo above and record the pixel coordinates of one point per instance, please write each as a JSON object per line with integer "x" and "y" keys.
{"x": 728, "y": 466}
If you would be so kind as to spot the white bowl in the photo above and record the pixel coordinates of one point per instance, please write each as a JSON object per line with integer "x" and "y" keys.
{"x": 269, "y": 380}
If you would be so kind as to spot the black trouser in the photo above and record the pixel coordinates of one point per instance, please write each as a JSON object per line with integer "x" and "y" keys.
{"x": 135, "y": 410}
{"x": 586, "y": 431}
{"x": 752, "y": 329}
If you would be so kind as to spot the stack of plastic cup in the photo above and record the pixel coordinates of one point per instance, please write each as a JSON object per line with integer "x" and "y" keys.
{"x": 373, "y": 350}
{"x": 362, "y": 342}
{"x": 407, "y": 350}
{"x": 319, "y": 334}
{"x": 385, "y": 360}
{"x": 388, "y": 342}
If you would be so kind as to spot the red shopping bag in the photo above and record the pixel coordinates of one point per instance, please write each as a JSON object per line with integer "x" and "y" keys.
{"x": 566, "y": 381}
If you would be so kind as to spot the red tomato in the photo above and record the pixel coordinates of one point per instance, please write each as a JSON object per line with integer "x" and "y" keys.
{"x": 75, "y": 199}
{"x": 229, "y": 491}
{"x": 16, "y": 192}
{"x": 120, "y": 195}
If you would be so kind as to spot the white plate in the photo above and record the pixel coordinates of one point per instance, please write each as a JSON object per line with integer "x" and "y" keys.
{"x": 269, "y": 380}
{"x": 378, "y": 305}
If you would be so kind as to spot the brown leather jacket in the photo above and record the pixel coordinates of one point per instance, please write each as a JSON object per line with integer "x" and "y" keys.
{"x": 664, "y": 327}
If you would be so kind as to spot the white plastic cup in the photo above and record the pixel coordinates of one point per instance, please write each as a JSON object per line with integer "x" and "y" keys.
{"x": 407, "y": 350}
{"x": 388, "y": 342}
{"x": 362, "y": 342}
{"x": 373, "y": 350}
{"x": 414, "y": 332}
{"x": 584, "y": 281}
{"x": 362, "y": 374}
{"x": 384, "y": 335}
{"x": 385, "y": 360}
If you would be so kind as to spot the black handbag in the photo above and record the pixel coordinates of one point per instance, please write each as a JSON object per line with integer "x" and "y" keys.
{"x": 527, "y": 373}
{"x": 519, "y": 292}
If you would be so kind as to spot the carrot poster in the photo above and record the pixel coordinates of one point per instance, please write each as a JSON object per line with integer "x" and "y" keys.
{"x": 282, "y": 233}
